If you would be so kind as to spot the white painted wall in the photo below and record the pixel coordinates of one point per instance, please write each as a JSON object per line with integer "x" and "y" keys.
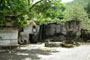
{"x": 9, "y": 37}
{"x": 27, "y": 31}
{"x": 9, "y": 34}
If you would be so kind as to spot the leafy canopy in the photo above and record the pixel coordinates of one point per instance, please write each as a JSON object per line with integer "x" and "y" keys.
{"x": 13, "y": 11}
{"x": 48, "y": 11}
{"x": 75, "y": 12}
{"x": 19, "y": 12}
{"x": 81, "y": 11}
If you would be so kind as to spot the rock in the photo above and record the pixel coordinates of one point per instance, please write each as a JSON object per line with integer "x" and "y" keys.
{"x": 52, "y": 44}
{"x": 67, "y": 45}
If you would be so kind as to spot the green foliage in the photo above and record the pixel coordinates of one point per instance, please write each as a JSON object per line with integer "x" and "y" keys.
{"x": 86, "y": 24}
{"x": 46, "y": 12}
{"x": 2, "y": 22}
{"x": 88, "y": 8}
{"x": 19, "y": 12}
{"x": 13, "y": 7}
{"x": 0, "y": 38}
{"x": 77, "y": 44}
{"x": 13, "y": 10}
{"x": 83, "y": 3}
{"x": 75, "y": 12}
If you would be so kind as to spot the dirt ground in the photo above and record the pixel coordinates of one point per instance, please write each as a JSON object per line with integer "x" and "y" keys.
{"x": 39, "y": 52}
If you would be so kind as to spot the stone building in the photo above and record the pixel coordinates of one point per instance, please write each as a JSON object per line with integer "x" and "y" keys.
{"x": 55, "y": 31}
{"x": 51, "y": 31}
{"x": 28, "y": 35}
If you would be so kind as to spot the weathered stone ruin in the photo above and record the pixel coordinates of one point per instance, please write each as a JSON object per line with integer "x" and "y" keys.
{"x": 56, "y": 32}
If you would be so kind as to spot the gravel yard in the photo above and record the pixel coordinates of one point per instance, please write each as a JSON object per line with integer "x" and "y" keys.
{"x": 39, "y": 52}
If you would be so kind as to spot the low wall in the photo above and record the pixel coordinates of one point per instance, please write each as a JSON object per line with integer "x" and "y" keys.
{"x": 8, "y": 37}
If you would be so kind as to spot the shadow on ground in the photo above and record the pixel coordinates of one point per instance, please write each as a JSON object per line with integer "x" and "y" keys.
{"x": 24, "y": 54}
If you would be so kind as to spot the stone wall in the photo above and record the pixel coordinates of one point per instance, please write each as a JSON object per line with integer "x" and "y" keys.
{"x": 52, "y": 30}
{"x": 8, "y": 37}
{"x": 55, "y": 31}
{"x": 72, "y": 25}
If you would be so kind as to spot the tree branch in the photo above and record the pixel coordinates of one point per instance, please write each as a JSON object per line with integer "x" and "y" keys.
{"x": 35, "y": 4}
{"x": 28, "y": 2}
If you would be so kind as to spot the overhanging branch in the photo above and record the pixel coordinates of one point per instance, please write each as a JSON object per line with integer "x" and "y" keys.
{"x": 35, "y": 4}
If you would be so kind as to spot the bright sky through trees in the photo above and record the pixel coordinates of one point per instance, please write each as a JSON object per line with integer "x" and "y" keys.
{"x": 63, "y": 1}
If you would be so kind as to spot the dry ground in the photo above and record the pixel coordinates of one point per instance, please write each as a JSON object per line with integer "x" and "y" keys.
{"x": 39, "y": 52}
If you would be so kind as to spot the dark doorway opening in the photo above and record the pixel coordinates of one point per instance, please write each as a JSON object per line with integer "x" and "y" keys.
{"x": 32, "y": 38}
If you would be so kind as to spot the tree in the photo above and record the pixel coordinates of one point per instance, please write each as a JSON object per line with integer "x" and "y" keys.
{"x": 19, "y": 12}
{"x": 13, "y": 11}
{"x": 75, "y": 12}
{"x": 88, "y": 9}
{"x": 48, "y": 11}
{"x": 83, "y": 3}
{"x": 86, "y": 24}
{"x": 79, "y": 13}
